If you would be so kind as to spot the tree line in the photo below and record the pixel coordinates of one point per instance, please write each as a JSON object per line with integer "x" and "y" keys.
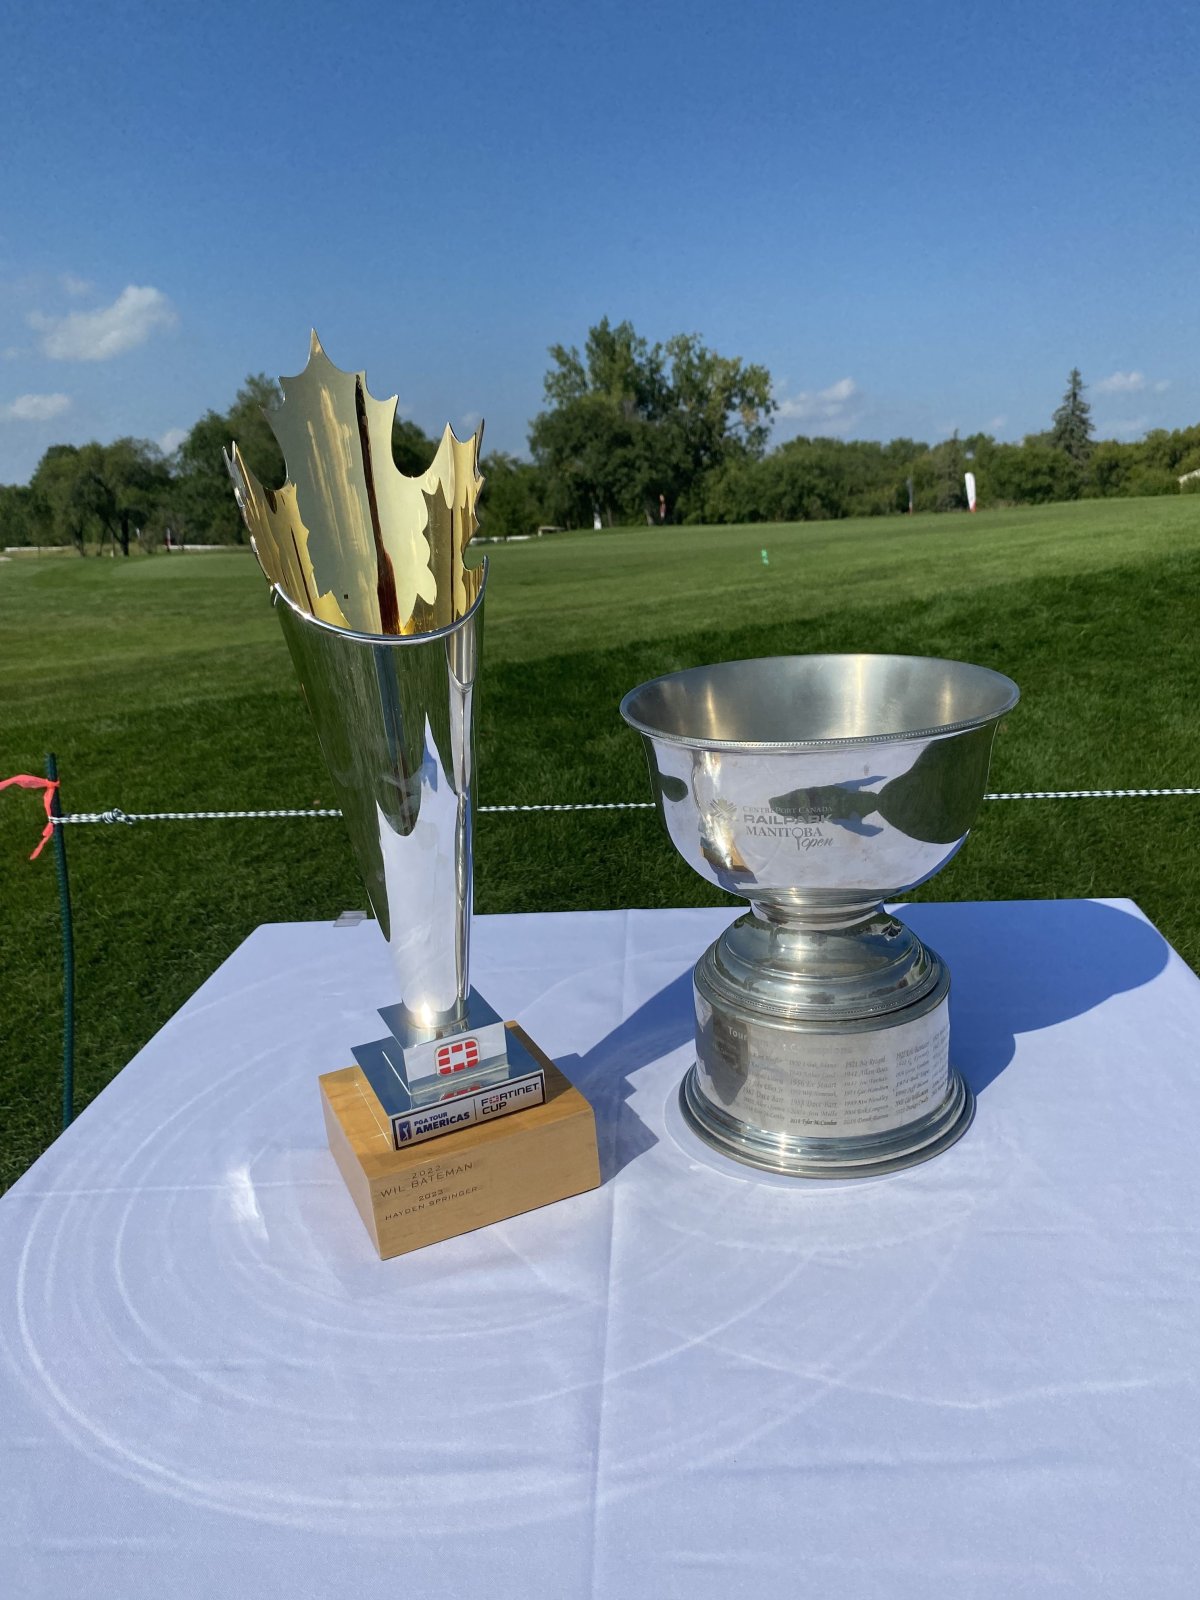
{"x": 630, "y": 433}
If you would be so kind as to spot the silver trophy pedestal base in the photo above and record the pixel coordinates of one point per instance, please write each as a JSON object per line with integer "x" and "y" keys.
{"x": 861, "y": 1156}
{"x": 824, "y": 1052}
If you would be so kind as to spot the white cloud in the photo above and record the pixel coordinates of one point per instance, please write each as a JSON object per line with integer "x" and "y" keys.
{"x": 1131, "y": 383}
{"x": 832, "y": 410}
{"x": 1131, "y": 428}
{"x": 99, "y": 335}
{"x": 73, "y": 285}
{"x": 36, "y": 407}
{"x": 171, "y": 440}
{"x": 997, "y": 424}
{"x": 1121, "y": 383}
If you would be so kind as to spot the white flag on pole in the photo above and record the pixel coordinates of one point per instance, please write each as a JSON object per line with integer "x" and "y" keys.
{"x": 970, "y": 482}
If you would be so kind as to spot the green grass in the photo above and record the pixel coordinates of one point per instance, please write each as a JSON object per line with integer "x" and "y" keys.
{"x": 164, "y": 684}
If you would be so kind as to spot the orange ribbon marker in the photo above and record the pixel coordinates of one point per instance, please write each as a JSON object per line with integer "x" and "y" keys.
{"x": 25, "y": 780}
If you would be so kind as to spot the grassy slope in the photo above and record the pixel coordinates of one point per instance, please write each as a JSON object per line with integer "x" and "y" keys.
{"x": 642, "y": 583}
{"x": 165, "y": 684}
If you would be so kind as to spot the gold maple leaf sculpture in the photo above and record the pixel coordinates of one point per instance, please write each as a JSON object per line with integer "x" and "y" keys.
{"x": 349, "y": 538}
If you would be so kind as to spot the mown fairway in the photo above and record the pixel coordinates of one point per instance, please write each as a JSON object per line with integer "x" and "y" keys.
{"x": 164, "y": 684}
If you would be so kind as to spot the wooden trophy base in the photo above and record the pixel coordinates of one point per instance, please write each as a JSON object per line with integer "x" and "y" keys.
{"x": 462, "y": 1180}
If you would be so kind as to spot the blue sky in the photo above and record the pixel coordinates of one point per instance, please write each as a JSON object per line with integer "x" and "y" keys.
{"x": 919, "y": 217}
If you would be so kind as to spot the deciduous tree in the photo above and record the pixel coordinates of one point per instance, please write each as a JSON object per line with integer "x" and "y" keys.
{"x": 203, "y": 505}
{"x": 628, "y": 421}
{"x": 98, "y": 491}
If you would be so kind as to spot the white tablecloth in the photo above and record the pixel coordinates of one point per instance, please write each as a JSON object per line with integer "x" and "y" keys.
{"x": 975, "y": 1378}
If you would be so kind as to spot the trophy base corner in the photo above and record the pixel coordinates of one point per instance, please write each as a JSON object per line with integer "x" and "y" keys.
{"x": 467, "y": 1178}
{"x": 860, "y": 1156}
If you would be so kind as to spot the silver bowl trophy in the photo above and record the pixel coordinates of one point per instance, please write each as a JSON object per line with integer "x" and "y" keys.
{"x": 819, "y": 787}
{"x": 384, "y": 624}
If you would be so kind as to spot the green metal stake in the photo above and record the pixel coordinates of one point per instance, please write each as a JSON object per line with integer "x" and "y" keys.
{"x": 68, "y": 950}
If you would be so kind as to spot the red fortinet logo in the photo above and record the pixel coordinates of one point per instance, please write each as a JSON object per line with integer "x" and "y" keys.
{"x": 457, "y": 1057}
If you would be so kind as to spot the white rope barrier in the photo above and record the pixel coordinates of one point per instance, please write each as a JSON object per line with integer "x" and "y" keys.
{"x": 130, "y": 817}
{"x": 117, "y": 815}
{"x": 1087, "y": 794}
{"x": 583, "y": 805}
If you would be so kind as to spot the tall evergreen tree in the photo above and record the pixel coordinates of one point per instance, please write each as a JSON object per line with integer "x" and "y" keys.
{"x": 1072, "y": 422}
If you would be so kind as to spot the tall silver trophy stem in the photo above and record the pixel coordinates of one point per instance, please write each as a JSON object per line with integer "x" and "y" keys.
{"x": 394, "y": 717}
{"x": 818, "y": 787}
{"x": 384, "y": 619}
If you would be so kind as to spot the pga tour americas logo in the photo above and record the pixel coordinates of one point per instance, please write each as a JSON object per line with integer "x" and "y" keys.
{"x": 457, "y": 1056}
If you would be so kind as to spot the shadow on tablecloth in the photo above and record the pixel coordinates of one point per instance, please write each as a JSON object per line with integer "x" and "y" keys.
{"x": 663, "y": 1024}
{"x": 1012, "y": 972}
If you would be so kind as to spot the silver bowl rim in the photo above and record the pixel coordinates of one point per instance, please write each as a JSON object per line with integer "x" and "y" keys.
{"x": 691, "y": 742}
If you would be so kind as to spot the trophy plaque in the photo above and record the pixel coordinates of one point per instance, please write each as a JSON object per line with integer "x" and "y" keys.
{"x": 453, "y": 1118}
{"x": 818, "y": 787}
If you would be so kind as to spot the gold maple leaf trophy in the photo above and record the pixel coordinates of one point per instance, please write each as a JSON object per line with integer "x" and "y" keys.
{"x": 384, "y": 624}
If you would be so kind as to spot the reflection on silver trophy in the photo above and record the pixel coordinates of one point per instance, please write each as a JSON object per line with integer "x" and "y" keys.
{"x": 384, "y": 621}
{"x": 818, "y": 787}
